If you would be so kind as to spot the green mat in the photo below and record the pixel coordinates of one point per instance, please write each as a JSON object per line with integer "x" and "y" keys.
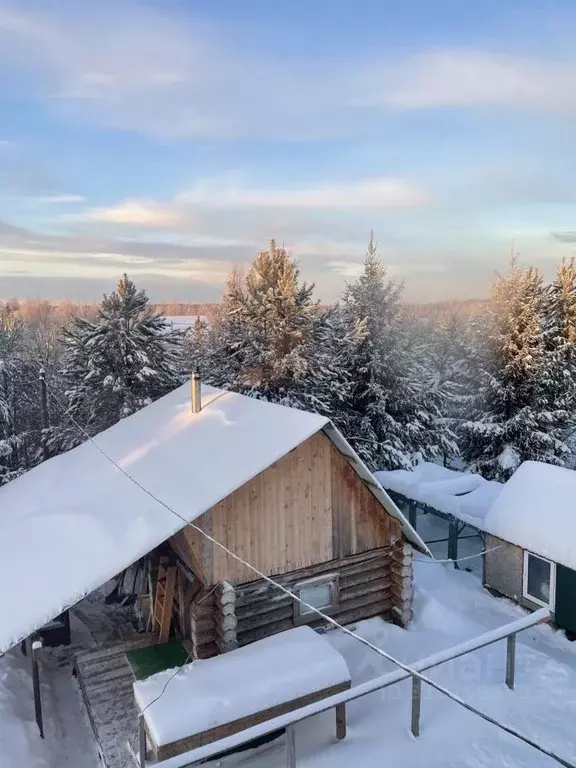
{"x": 156, "y": 658}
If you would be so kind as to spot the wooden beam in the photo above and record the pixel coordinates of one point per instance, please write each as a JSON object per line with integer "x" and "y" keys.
{"x": 510, "y": 661}
{"x": 290, "y": 747}
{"x": 166, "y": 604}
{"x": 165, "y": 751}
{"x": 141, "y": 742}
{"x": 340, "y": 721}
{"x": 416, "y": 705}
{"x": 33, "y": 648}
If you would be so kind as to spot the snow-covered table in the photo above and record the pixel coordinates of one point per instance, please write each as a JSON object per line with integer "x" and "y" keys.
{"x": 211, "y": 699}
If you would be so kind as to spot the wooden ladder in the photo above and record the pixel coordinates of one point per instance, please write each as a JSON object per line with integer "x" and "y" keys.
{"x": 164, "y": 598}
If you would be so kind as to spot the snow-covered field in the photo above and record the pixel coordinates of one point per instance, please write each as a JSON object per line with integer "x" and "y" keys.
{"x": 450, "y": 606}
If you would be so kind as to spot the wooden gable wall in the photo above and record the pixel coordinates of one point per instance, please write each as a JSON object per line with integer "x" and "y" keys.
{"x": 308, "y": 508}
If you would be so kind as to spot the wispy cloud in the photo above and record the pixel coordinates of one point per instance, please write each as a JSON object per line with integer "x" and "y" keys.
{"x": 61, "y": 199}
{"x": 468, "y": 78}
{"x": 209, "y": 200}
{"x": 137, "y": 213}
{"x": 166, "y": 76}
{"x": 365, "y": 193}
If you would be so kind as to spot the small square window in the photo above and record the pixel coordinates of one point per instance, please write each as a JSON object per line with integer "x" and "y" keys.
{"x": 320, "y": 593}
{"x": 539, "y": 579}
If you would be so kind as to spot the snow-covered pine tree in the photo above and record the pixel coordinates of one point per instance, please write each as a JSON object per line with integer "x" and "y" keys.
{"x": 325, "y": 383}
{"x": 213, "y": 348}
{"x": 511, "y": 418}
{"x": 12, "y": 463}
{"x": 447, "y": 361}
{"x": 263, "y": 328}
{"x": 120, "y": 363}
{"x": 559, "y": 326}
{"x": 443, "y": 356}
{"x": 390, "y": 422}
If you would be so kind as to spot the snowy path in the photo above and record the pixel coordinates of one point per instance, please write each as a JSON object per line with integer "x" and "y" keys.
{"x": 70, "y": 737}
{"x": 450, "y": 606}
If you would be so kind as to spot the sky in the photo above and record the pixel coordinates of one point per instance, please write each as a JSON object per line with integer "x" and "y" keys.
{"x": 173, "y": 138}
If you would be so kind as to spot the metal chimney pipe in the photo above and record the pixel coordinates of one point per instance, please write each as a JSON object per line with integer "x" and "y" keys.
{"x": 196, "y": 394}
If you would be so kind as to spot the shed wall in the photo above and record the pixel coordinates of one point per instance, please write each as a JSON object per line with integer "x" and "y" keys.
{"x": 308, "y": 508}
{"x": 504, "y": 569}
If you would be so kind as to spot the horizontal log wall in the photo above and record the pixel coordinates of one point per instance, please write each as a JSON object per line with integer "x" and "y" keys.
{"x": 203, "y": 625}
{"x": 365, "y": 590}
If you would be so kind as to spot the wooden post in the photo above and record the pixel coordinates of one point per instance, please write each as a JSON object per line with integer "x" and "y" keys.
{"x": 290, "y": 747}
{"x": 416, "y": 702}
{"x": 44, "y": 415}
{"x": 453, "y": 540}
{"x": 141, "y": 742}
{"x": 412, "y": 514}
{"x": 341, "y": 721}
{"x": 510, "y": 661}
{"x": 225, "y": 617}
{"x": 32, "y": 649}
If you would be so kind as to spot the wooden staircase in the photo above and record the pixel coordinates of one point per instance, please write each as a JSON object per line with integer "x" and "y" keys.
{"x": 105, "y": 678}
{"x": 164, "y": 598}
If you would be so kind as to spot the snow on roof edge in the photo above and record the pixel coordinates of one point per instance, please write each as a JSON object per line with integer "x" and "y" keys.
{"x": 535, "y": 512}
{"x": 338, "y": 439}
{"x": 317, "y": 424}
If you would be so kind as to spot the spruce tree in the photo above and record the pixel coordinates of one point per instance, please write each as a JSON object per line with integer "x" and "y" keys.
{"x": 120, "y": 363}
{"x": 390, "y": 422}
{"x": 559, "y": 327}
{"x": 12, "y": 463}
{"x": 443, "y": 357}
{"x": 264, "y": 326}
{"x": 325, "y": 383}
{"x": 511, "y": 418}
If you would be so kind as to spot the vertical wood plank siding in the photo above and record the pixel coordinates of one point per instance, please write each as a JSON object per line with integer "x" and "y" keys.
{"x": 308, "y": 508}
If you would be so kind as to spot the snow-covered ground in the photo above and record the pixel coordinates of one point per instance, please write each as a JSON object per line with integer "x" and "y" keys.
{"x": 450, "y": 606}
{"x": 68, "y": 739}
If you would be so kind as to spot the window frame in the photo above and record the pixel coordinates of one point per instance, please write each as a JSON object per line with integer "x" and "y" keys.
{"x": 552, "y": 601}
{"x": 330, "y": 579}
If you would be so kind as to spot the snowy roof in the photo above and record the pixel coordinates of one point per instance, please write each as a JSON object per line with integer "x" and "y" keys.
{"x": 465, "y": 495}
{"x": 211, "y": 692}
{"x": 537, "y": 511}
{"x": 78, "y": 521}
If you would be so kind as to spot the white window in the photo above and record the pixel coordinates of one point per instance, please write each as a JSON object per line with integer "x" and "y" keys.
{"x": 539, "y": 580}
{"x": 321, "y": 593}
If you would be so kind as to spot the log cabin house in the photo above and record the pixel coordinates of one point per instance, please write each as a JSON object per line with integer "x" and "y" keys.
{"x": 314, "y": 520}
{"x": 278, "y": 487}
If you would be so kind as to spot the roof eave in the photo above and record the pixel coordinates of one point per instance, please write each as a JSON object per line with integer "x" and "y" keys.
{"x": 338, "y": 439}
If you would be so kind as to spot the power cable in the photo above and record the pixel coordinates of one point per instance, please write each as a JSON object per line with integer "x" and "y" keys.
{"x": 405, "y": 667}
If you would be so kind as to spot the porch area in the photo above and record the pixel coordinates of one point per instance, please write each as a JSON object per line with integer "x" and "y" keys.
{"x": 106, "y": 677}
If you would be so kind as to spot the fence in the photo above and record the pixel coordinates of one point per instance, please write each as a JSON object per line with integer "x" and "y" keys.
{"x": 508, "y": 632}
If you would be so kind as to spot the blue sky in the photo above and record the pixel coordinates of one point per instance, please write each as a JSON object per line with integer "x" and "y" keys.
{"x": 172, "y": 139}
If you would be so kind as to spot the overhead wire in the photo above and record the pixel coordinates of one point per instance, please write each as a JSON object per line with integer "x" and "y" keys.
{"x": 405, "y": 667}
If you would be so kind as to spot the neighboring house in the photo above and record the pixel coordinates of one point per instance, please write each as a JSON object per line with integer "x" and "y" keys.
{"x": 462, "y": 499}
{"x": 186, "y": 322}
{"x": 531, "y": 528}
{"x": 281, "y": 488}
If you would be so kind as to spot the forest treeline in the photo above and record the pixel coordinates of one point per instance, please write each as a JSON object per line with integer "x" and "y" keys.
{"x": 481, "y": 384}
